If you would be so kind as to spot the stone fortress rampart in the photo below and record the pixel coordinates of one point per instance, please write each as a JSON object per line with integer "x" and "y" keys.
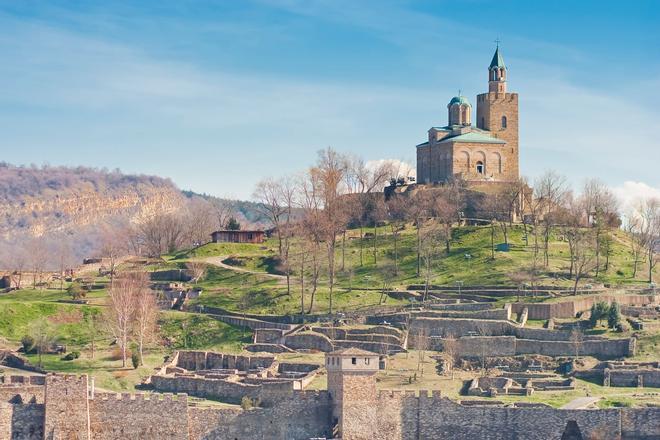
{"x": 72, "y": 409}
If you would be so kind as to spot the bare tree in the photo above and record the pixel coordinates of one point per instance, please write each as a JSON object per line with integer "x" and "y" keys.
{"x": 224, "y": 211}
{"x": 92, "y": 324}
{"x": 431, "y": 238}
{"x": 121, "y": 309}
{"x": 199, "y": 221}
{"x": 649, "y": 211}
{"x": 161, "y": 233}
{"x": 585, "y": 259}
{"x": 198, "y": 270}
{"x": 37, "y": 252}
{"x": 550, "y": 190}
{"x": 576, "y": 338}
{"x": 397, "y": 210}
{"x": 450, "y": 350}
{"x": 146, "y": 314}
{"x": 600, "y": 208}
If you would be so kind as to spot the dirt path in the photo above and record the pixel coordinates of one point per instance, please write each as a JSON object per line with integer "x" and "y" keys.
{"x": 218, "y": 261}
{"x": 581, "y": 403}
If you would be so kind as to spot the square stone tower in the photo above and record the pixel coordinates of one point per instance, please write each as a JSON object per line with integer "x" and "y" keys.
{"x": 497, "y": 112}
{"x": 67, "y": 407}
{"x": 352, "y": 388}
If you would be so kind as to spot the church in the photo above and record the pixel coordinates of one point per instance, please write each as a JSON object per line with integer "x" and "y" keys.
{"x": 487, "y": 152}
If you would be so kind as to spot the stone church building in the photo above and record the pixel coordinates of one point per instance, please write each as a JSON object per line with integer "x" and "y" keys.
{"x": 487, "y": 152}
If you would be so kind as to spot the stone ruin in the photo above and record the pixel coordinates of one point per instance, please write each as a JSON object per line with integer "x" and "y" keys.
{"x": 624, "y": 374}
{"x": 229, "y": 378}
{"x": 519, "y": 384}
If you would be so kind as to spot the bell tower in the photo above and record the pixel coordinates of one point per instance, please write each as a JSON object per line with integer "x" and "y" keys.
{"x": 497, "y": 112}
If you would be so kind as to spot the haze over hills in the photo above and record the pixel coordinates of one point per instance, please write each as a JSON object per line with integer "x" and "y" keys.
{"x": 77, "y": 202}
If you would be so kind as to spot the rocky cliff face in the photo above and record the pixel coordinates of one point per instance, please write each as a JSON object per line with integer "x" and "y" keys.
{"x": 70, "y": 203}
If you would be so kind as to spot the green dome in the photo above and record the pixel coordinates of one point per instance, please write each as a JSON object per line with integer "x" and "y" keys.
{"x": 459, "y": 100}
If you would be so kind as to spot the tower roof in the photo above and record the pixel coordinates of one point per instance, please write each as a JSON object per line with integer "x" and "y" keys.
{"x": 460, "y": 100}
{"x": 497, "y": 60}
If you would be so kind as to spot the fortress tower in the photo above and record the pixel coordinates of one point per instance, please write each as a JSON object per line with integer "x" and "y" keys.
{"x": 67, "y": 408}
{"x": 352, "y": 388}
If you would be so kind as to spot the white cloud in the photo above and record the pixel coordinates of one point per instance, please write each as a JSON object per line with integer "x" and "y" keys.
{"x": 630, "y": 193}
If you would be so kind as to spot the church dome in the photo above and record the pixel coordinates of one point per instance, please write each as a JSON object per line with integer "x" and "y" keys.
{"x": 461, "y": 100}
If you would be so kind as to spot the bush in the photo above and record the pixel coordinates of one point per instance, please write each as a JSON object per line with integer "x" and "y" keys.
{"x": 76, "y": 291}
{"x": 247, "y": 403}
{"x": 116, "y": 353}
{"x": 71, "y": 356}
{"x": 135, "y": 359}
{"x": 613, "y": 315}
{"x": 27, "y": 342}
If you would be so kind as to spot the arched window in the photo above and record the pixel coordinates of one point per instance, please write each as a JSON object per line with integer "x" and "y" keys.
{"x": 480, "y": 167}
{"x": 503, "y": 121}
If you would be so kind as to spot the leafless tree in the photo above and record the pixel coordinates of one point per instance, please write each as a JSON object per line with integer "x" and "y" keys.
{"x": 121, "y": 309}
{"x": 37, "y": 252}
{"x": 113, "y": 246}
{"x": 585, "y": 260}
{"x": 550, "y": 191}
{"x": 198, "y": 270}
{"x": 432, "y": 237}
{"x": 387, "y": 273}
{"x": 600, "y": 207}
{"x": 419, "y": 211}
{"x": 161, "y": 233}
{"x": 145, "y": 315}
{"x": 649, "y": 212}
{"x": 329, "y": 174}
{"x": 224, "y": 211}
{"x": 65, "y": 259}
{"x": 199, "y": 221}
{"x": 397, "y": 210}
{"x": 450, "y": 350}
{"x": 576, "y": 338}
{"x": 634, "y": 227}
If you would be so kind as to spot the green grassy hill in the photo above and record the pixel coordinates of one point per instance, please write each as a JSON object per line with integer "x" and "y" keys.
{"x": 365, "y": 265}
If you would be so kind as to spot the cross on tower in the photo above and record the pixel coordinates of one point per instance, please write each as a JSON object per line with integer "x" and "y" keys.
{"x": 459, "y": 92}
{"x": 497, "y": 41}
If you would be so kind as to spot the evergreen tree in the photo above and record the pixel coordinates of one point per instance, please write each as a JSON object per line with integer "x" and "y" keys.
{"x": 614, "y": 315}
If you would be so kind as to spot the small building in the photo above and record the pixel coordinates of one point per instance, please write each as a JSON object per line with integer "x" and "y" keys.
{"x": 226, "y": 236}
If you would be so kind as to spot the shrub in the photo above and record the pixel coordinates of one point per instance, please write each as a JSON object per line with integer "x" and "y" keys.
{"x": 76, "y": 291}
{"x": 71, "y": 356}
{"x": 135, "y": 358}
{"x": 247, "y": 403}
{"x": 613, "y": 315}
{"x": 27, "y": 342}
{"x": 116, "y": 353}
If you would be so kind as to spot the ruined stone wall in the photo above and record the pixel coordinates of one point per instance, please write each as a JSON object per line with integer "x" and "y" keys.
{"x": 207, "y": 360}
{"x": 269, "y": 393}
{"x": 268, "y": 336}
{"x": 21, "y": 422}
{"x": 632, "y": 378}
{"x": 140, "y": 416}
{"x": 568, "y": 309}
{"x": 305, "y": 415}
{"x": 309, "y": 341}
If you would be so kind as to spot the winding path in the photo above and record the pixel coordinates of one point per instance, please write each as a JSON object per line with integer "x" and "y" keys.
{"x": 219, "y": 261}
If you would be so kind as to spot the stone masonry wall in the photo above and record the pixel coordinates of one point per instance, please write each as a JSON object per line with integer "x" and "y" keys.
{"x": 304, "y": 415}
{"x": 21, "y": 422}
{"x": 140, "y": 416}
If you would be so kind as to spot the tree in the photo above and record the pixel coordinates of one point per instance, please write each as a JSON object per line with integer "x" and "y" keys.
{"x": 397, "y": 207}
{"x": 197, "y": 269}
{"x": 419, "y": 209}
{"x": 387, "y": 273}
{"x": 37, "y": 253}
{"x": 550, "y": 191}
{"x": 599, "y": 311}
{"x": 199, "y": 221}
{"x": 121, "y": 309}
{"x": 113, "y": 245}
{"x": 600, "y": 206}
{"x": 145, "y": 315}
{"x": 576, "y": 338}
{"x": 42, "y": 333}
{"x": 92, "y": 323}
{"x": 161, "y": 233}
{"x": 450, "y": 350}
{"x": 649, "y": 211}
{"x": 614, "y": 315}
{"x": 584, "y": 257}
{"x": 76, "y": 291}
{"x": 431, "y": 238}
{"x": 233, "y": 224}
{"x": 328, "y": 175}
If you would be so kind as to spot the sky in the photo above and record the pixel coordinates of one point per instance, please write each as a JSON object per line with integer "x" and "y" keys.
{"x": 217, "y": 95}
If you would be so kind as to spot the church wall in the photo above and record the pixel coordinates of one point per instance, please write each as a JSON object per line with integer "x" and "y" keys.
{"x": 494, "y": 156}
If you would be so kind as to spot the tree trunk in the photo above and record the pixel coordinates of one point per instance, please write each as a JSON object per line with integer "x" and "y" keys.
{"x": 492, "y": 240}
{"x": 302, "y": 283}
{"x": 396, "y": 251}
{"x": 361, "y": 244}
{"x": 419, "y": 244}
{"x": 343, "y": 251}
{"x": 375, "y": 244}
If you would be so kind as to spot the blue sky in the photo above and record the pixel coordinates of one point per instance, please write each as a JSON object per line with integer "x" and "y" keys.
{"x": 217, "y": 95}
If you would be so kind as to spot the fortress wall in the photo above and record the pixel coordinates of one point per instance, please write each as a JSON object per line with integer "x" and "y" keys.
{"x": 374, "y": 347}
{"x": 464, "y": 307}
{"x": 631, "y": 378}
{"x": 269, "y": 393}
{"x": 22, "y": 389}
{"x": 305, "y": 415}
{"x": 24, "y": 422}
{"x": 309, "y": 341}
{"x": 268, "y": 335}
{"x": 124, "y": 416}
{"x": 458, "y": 327}
{"x": 447, "y": 419}
{"x": 568, "y": 309}
{"x": 205, "y": 360}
